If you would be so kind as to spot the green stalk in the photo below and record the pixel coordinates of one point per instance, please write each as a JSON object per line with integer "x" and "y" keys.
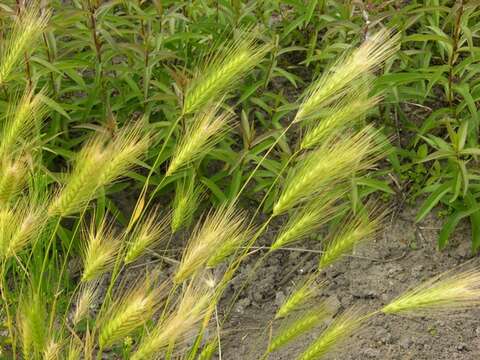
{"x": 63, "y": 268}
{"x": 49, "y": 245}
{"x": 140, "y": 205}
{"x": 3, "y": 290}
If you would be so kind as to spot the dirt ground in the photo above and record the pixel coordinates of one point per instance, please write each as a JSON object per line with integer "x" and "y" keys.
{"x": 401, "y": 257}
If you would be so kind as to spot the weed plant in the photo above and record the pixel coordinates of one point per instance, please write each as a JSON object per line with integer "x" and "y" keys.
{"x": 86, "y": 110}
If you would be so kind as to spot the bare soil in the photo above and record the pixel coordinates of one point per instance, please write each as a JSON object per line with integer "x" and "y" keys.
{"x": 400, "y": 258}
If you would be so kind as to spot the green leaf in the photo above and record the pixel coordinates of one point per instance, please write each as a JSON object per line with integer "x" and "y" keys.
{"x": 312, "y": 4}
{"x": 432, "y": 200}
{"x": 440, "y": 154}
{"x": 376, "y": 184}
{"x": 235, "y": 184}
{"x": 449, "y": 226}
{"x": 427, "y": 37}
{"x": 216, "y": 191}
{"x": 54, "y": 105}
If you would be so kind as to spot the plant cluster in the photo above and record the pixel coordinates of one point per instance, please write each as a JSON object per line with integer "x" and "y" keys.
{"x": 123, "y": 121}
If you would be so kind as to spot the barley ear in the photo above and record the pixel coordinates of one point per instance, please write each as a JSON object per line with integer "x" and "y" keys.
{"x": 299, "y": 297}
{"x": 341, "y": 116}
{"x": 338, "y": 81}
{"x": 454, "y": 290}
{"x": 100, "y": 162}
{"x": 335, "y": 335}
{"x": 148, "y": 233}
{"x": 331, "y": 164}
{"x": 27, "y": 27}
{"x": 32, "y": 324}
{"x": 128, "y": 313}
{"x": 20, "y": 225}
{"x": 13, "y": 178}
{"x": 191, "y": 309}
{"x": 84, "y": 301}
{"x": 209, "y": 350}
{"x": 205, "y": 130}
{"x": 222, "y": 226}
{"x": 52, "y": 350}
{"x": 185, "y": 202}
{"x": 355, "y": 230}
{"x": 222, "y": 70}
{"x": 301, "y": 325}
{"x": 230, "y": 246}
{"x": 23, "y": 115}
{"x": 308, "y": 218}
{"x": 99, "y": 251}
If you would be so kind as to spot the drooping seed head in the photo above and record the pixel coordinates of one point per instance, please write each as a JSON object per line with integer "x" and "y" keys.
{"x": 99, "y": 252}
{"x": 355, "y": 230}
{"x": 308, "y": 218}
{"x": 331, "y": 164}
{"x": 173, "y": 328}
{"x": 454, "y": 290}
{"x": 205, "y": 130}
{"x": 300, "y": 325}
{"x": 339, "y": 80}
{"x": 222, "y": 70}
{"x": 148, "y": 233}
{"x": 100, "y": 162}
{"x": 339, "y": 117}
{"x": 27, "y": 27}
{"x": 223, "y": 226}
{"x": 335, "y": 335}
{"x": 128, "y": 313}
{"x": 185, "y": 203}
{"x": 299, "y": 297}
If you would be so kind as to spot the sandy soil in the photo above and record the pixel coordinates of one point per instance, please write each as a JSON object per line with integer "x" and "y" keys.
{"x": 403, "y": 256}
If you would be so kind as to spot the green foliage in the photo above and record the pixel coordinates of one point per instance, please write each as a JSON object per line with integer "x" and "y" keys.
{"x": 431, "y": 95}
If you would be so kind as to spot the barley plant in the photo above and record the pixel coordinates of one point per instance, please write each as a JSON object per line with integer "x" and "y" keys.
{"x": 81, "y": 281}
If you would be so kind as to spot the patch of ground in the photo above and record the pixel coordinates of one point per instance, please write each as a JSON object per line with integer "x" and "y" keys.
{"x": 400, "y": 258}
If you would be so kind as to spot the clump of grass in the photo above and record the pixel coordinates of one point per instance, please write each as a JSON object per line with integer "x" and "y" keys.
{"x": 149, "y": 233}
{"x": 451, "y": 291}
{"x": 203, "y": 132}
{"x": 327, "y": 156}
{"x": 224, "y": 226}
{"x": 222, "y": 69}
